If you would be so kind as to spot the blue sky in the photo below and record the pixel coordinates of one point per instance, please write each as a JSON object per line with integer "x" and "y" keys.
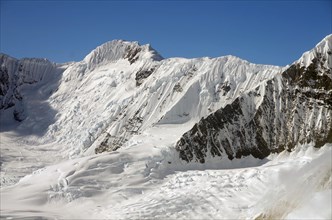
{"x": 267, "y": 32}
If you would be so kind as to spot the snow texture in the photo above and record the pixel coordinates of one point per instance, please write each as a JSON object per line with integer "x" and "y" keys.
{"x": 293, "y": 107}
{"x": 129, "y": 104}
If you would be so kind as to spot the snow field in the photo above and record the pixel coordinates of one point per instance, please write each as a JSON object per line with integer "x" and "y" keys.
{"x": 49, "y": 168}
{"x": 146, "y": 180}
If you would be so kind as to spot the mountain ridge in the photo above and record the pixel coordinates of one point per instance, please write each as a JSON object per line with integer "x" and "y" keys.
{"x": 133, "y": 88}
{"x": 279, "y": 122}
{"x": 181, "y": 138}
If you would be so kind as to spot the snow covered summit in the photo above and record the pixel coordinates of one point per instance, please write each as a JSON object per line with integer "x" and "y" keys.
{"x": 126, "y": 134}
{"x": 121, "y": 89}
{"x": 119, "y": 49}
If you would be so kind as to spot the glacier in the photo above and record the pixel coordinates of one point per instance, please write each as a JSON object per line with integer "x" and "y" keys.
{"x": 113, "y": 136}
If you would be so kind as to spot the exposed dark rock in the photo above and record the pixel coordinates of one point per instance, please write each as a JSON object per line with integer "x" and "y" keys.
{"x": 191, "y": 72}
{"x": 112, "y": 143}
{"x": 177, "y": 88}
{"x": 4, "y": 80}
{"x": 109, "y": 143}
{"x": 226, "y": 87}
{"x": 132, "y": 53}
{"x": 280, "y": 122}
{"x": 19, "y": 115}
{"x": 143, "y": 74}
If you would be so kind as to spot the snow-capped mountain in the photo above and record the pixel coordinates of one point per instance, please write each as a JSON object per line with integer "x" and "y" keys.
{"x": 295, "y": 107}
{"x": 121, "y": 88}
{"x": 125, "y": 133}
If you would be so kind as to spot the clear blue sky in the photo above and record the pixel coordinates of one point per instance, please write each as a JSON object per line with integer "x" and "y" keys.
{"x": 267, "y": 32}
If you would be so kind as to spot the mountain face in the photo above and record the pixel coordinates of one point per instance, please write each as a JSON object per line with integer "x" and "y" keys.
{"x": 170, "y": 128}
{"x": 181, "y": 91}
{"x": 17, "y": 75}
{"x": 121, "y": 89}
{"x": 295, "y": 107}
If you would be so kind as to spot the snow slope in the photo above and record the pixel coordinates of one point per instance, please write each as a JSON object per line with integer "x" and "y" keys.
{"x": 293, "y": 107}
{"x": 125, "y": 98}
{"x": 131, "y": 183}
{"x": 98, "y": 102}
{"x": 24, "y": 84}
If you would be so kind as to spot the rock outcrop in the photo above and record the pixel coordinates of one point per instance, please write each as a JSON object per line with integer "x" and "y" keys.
{"x": 294, "y": 107}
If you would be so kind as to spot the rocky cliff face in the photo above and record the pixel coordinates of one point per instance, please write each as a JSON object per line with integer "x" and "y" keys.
{"x": 293, "y": 107}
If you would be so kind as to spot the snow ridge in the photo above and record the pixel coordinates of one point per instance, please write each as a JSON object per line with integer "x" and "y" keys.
{"x": 119, "y": 49}
{"x": 122, "y": 107}
{"x": 291, "y": 108}
{"x": 323, "y": 48}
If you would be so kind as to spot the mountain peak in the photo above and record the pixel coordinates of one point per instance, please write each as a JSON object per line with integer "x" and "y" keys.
{"x": 119, "y": 49}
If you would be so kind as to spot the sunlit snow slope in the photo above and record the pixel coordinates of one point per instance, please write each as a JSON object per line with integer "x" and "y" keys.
{"x": 126, "y": 99}
{"x": 294, "y": 107}
{"x": 120, "y": 89}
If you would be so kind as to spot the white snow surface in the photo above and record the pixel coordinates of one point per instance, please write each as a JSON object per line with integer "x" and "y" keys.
{"x": 323, "y": 48}
{"x": 145, "y": 180}
{"x": 99, "y": 95}
{"x": 49, "y": 169}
